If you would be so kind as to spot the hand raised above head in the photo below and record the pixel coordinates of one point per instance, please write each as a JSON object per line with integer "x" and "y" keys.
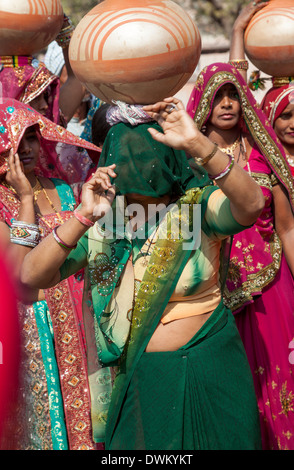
{"x": 179, "y": 130}
{"x": 98, "y": 193}
{"x": 247, "y": 14}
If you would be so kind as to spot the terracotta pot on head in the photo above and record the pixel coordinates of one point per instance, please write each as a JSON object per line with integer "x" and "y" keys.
{"x": 136, "y": 51}
{"x": 269, "y": 39}
{"x": 28, "y": 26}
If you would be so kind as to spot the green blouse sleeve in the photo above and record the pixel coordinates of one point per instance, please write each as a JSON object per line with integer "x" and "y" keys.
{"x": 219, "y": 221}
{"x": 76, "y": 260}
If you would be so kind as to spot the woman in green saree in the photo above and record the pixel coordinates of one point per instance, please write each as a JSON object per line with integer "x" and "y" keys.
{"x": 167, "y": 367}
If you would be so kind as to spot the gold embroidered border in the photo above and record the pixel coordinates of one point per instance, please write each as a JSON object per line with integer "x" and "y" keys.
{"x": 34, "y": 419}
{"x": 72, "y": 368}
{"x": 262, "y": 179}
{"x": 257, "y": 281}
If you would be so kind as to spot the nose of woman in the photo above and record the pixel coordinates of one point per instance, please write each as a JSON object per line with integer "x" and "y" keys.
{"x": 226, "y": 101}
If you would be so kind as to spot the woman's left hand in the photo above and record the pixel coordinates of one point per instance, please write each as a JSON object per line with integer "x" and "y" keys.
{"x": 98, "y": 193}
{"x": 16, "y": 177}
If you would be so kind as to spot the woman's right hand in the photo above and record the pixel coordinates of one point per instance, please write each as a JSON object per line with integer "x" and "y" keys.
{"x": 98, "y": 193}
{"x": 16, "y": 177}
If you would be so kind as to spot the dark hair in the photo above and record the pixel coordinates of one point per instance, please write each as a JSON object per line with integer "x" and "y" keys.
{"x": 100, "y": 126}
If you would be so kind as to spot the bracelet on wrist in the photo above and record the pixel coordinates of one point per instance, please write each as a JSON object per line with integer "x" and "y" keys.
{"x": 203, "y": 161}
{"x": 14, "y": 61}
{"x": 64, "y": 36}
{"x": 61, "y": 242}
{"x": 225, "y": 171}
{"x": 82, "y": 219}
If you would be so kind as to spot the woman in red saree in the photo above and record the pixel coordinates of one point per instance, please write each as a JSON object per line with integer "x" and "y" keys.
{"x": 54, "y": 406}
{"x": 259, "y": 287}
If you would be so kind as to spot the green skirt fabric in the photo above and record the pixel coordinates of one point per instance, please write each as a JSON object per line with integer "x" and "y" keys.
{"x": 200, "y": 397}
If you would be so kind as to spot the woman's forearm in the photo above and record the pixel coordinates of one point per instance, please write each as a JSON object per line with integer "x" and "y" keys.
{"x": 237, "y": 49}
{"x": 41, "y": 267}
{"x": 52, "y": 256}
{"x": 72, "y": 91}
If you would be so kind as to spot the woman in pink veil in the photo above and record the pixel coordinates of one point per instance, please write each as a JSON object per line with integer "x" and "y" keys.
{"x": 72, "y": 163}
{"x": 53, "y": 409}
{"x": 259, "y": 287}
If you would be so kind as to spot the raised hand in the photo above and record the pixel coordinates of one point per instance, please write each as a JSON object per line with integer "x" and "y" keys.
{"x": 179, "y": 130}
{"x": 247, "y": 14}
{"x": 16, "y": 178}
{"x": 98, "y": 193}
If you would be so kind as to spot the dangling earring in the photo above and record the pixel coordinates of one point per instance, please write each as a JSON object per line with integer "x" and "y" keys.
{"x": 203, "y": 129}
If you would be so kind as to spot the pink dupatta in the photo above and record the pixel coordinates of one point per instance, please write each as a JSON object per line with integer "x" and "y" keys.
{"x": 73, "y": 162}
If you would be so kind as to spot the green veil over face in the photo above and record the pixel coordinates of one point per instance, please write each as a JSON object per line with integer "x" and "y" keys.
{"x": 145, "y": 166}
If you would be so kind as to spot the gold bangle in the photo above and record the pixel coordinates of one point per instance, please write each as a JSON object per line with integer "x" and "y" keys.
{"x": 203, "y": 161}
{"x": 239, "y": 64}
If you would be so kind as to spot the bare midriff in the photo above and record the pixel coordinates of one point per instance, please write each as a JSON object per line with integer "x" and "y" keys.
{"x": 175, "y": 334}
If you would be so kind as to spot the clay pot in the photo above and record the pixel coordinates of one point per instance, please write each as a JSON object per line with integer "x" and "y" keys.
{"x": 28, "y": 26}
{"x": 269, "y": 39}
{"x": 137, "y": 51}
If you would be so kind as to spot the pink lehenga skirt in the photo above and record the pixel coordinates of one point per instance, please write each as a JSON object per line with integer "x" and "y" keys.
{"x": 267, "y": 330}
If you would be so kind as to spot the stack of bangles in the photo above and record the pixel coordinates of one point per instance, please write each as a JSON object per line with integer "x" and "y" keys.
{"x": 23, "y": 233}
{"x": 240, "y": 64}
{"x": 64, "y": 36}
{"x": 83, "y": 220}
{"x": 14, "y": 61}
{"x": 203, "y": 161}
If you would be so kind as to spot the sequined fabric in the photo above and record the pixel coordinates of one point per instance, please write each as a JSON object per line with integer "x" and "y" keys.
{"x": 62, "y": 155}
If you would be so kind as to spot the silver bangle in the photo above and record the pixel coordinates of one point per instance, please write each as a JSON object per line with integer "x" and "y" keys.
{"x": 22, "y": 233}
{"x": 203, "y": 161}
